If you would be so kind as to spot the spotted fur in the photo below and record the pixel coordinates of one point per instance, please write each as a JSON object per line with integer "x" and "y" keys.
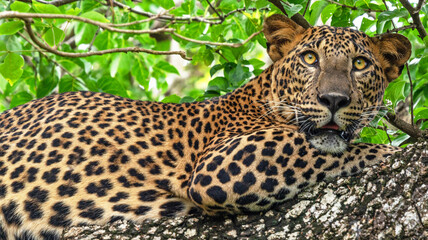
{"x": 91, "y": 158}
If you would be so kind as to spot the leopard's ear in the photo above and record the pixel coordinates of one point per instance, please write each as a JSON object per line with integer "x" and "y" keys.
{"x": 280, "y": 33}
{"x": 393, "y": 51}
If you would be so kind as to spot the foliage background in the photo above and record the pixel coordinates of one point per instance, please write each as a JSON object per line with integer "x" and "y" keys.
{"x": 208, "y": 32}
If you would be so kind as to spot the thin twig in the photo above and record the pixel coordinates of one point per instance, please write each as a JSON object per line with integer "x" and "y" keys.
{"x": 215, "y": 10}
{"x": 411, "y": 93}
{"x": 421, "y": 3}
{"x": 412, "y": 26}
{"x": 221, "y": 55}
{"x": 93, "y": 40}
{"x": 386, "y": 131}
{"x": 112, "y": 10}
{"x": 306, "y": 7}
{"x": 11, "y": 14}
{"x": 234, "y": 45}
{"x": 101, "y": 52}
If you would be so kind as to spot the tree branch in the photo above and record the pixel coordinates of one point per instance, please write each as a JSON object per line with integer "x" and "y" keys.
{"x": 87, "y": 54}
{"x": 11, "y": 14}
{"x": 404, "y": 126}
{"x": 414, "y": 13}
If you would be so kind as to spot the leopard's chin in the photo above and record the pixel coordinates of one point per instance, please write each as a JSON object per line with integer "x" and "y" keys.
{"x": 329, "y": 140}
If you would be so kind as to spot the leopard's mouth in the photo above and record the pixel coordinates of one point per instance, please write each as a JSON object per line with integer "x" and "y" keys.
{"x": 329, "y": 138}
{"x": 330, "y": 129}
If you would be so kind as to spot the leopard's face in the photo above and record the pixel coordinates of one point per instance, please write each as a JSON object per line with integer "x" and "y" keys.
{"x": 330, "y": 81}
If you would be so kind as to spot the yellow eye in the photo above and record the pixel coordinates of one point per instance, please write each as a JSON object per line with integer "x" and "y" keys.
{"x": 360, "y": 63}
{"x": 310, "y": 58}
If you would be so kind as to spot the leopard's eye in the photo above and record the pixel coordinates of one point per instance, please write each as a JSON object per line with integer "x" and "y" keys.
{"x": 360, "y": 63}
{"x": 310, "y": 58}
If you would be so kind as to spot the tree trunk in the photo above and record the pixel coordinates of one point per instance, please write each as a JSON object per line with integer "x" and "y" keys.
{"x": 387, "y": 201}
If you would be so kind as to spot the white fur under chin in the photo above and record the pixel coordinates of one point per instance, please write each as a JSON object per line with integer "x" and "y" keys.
{"x": 329, "y": 143}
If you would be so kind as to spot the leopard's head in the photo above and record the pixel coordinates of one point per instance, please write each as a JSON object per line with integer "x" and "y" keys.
{"x": 330, "y": 81}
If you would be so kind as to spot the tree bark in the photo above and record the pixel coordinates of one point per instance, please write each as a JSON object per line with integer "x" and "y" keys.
{"x": 386, "y": 201}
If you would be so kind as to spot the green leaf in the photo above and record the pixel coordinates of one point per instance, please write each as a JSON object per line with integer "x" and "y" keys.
{"x": 20, "y": 98}
{"x": 166, "y": 4}
{"x": 316, "y": 9}
{"x": 189, "y": 6}
{"x": 45, "y": 8}
{"x": 84, "y": 33}
{"x": 366, "y": 24}
{"x": 423, "y": 114}
{"x": 54, "y": 36}
{"x": 424, "y": 125}
{"x": 400, "y": 139}
{"x": 46, "y": 85}
{"x": 426, "y": 41}
{"x": 141, "y": 72}
{"x": 114, "y": 66}
{"x": 89, "y": 5}
{"x": 239, "y": 74}
{"x": 389, "y": 15}
{"x": 95, "y": 16}
{"x": 69, "y": 84}
{"x": 187, "y": 99}
{"x": 215, "y": 69}
{"x": 111, "y": 85}
{"x": 328, "y": 12}
{"x": 341, "y": 18}
{"x": 3, "y": 48}
{"x": 291, "y": 9}
{"x": 395, "y": 91}
{"x": 257, "y": 63}
{"x": 166, "y": 67}
{"x": 19, "y": 6}
{"x": 73, "y": 11}
{"x": 9, "y": 28}
{"x": 218, "y": 84}
{"x": 11, "y": 68}
{"x": 171, "y": 99}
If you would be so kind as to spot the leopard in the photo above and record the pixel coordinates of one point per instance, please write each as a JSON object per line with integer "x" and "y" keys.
{"x": 93, "y": 158}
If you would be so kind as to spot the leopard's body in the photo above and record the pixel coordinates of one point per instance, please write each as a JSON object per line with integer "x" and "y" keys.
{"x": 92, "y": 158}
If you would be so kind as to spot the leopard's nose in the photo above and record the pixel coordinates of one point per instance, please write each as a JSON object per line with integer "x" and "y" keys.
{"x": 334, "y": 101}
